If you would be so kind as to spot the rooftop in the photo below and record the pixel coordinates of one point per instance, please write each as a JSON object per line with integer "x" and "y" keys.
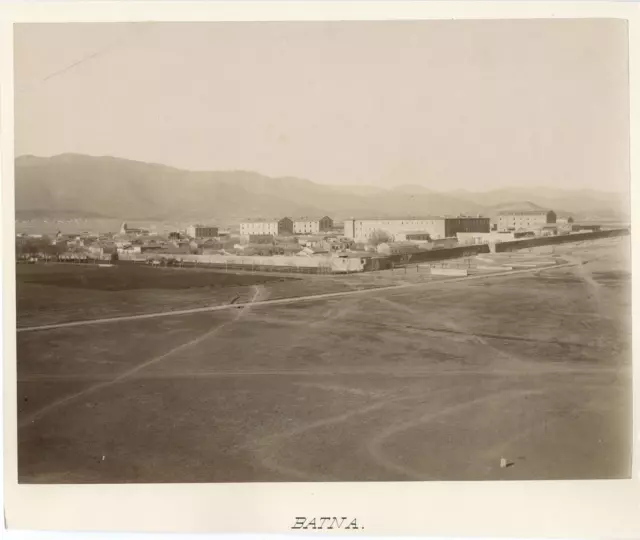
{"x": 309, "y": 218}
{"x": 414, "y": 218}
{"x": 403, "y": 245}
{"x": 523, "y": 212}
{"x": 358, "y": 254}
{"x": 312, "y": 237}
{"x": 261, "y": 220}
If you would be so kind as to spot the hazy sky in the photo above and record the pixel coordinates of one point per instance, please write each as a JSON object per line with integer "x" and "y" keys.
{"x": 445, "y": 104}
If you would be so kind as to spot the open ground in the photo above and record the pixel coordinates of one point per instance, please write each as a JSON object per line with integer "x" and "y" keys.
{"x": 436, "y": 381}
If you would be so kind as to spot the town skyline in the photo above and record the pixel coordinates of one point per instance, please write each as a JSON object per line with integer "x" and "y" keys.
{"x": 469, "y": 103}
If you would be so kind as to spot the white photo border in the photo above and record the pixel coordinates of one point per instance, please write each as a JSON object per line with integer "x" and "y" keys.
{"x": 534, "y": 509}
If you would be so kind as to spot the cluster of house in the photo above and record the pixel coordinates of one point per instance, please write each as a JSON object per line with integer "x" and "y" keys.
{"x": 127, "y": 241}
{"x": 310, "y": 236}
{"x": 257, "y": 237}
{"x": 195, "y": 239}
{"x": 302, "y": 245}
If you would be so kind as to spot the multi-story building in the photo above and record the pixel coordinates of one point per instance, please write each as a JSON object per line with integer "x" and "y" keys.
{"x": 361, "y": 230}
{"x": 514, "y": 220}
{"x": 285, "y": 226}
{"x": 266, "y": 227}
{"x": 202, "y": 231}
{"x": 462, "y": 224}
{"x": 259, "y": 227}
{"x": 305, "y": 225}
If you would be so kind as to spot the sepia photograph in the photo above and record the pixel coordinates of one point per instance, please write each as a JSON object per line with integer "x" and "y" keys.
{"x": 323, "y": 251}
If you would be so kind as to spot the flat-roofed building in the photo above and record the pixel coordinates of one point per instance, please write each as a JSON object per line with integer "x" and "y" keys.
{"x": 436, "y": 227}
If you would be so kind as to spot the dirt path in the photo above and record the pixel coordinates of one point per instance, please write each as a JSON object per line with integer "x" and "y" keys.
{"x": 285, "y": 300}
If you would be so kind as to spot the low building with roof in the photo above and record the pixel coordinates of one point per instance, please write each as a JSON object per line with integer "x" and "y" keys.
{"x": 312, "y": 240}
{"x": 413, "y": 236}
{"x": 485, "y": 238}
{"x": 129, "y": 249}
{"x": 127, "y": 230}
{"x": 398, "y": 248}
{"x": 585, "y": 227}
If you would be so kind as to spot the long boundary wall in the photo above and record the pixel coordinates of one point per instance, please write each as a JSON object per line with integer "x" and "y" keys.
{"x": 314, "y": 265}
{"x": 439, "y": 254}
{"x": 329, "y": 265}
{"x": 563, "y": 239}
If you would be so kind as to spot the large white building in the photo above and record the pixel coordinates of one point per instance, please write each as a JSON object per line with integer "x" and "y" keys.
{"x": 265, "y": 227}
{"x": 306, "y": 225}
{"x": 361, "y": 230}
{"x": 259, "y": 227}
{"x": 515, "y": 220}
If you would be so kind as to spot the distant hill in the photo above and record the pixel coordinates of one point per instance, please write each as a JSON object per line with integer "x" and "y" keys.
{"x": 582, "y": 204}
{"x": 46, "y": 213}
{"x": 72, "y": 185}
{"x": 519, "y": 206}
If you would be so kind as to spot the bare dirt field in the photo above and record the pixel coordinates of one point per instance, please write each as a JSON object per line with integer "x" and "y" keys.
{"x": 433, "y": 382}
{"x": 60, "y": 293}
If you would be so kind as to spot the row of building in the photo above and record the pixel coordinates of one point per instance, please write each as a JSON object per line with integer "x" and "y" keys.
{"x": 439, "y": 227}
{"x": 284, "y": 226}
{"x": 251, "y": 227}
{"x": 317, "y": 235}
{"x": 192, "y": 231}
{"x": 362, "y": 230}
{"x": 406, "y": 228}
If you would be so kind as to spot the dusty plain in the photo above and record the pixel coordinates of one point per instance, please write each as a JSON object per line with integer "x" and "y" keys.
{"x": 436, "y": 381}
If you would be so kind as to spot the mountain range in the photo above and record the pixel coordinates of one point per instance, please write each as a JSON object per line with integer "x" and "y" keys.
{"x": 81, "y": 186}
